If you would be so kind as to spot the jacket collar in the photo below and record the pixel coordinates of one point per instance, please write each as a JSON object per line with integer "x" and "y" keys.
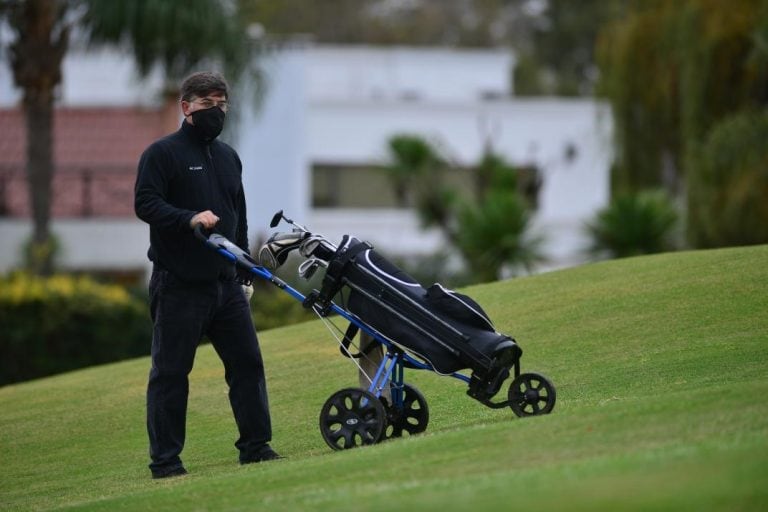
{"x": 190, "y": 131}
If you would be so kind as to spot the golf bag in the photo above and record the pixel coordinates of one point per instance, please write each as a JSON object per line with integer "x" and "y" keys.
{"x": 448, "y": 330}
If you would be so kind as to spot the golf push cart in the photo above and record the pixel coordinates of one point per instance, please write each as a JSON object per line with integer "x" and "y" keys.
{"x": 434, "y": 329}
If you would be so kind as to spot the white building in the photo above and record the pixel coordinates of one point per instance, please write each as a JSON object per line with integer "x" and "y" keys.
{"x": 355, "y": 98}
{"x": 337, "y": 106}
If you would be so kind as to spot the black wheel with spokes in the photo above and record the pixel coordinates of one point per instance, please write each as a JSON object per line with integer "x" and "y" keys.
{"x": 409, "y": 418}
{"x": 531, "y": 394}
{"x": 352, "y": 417}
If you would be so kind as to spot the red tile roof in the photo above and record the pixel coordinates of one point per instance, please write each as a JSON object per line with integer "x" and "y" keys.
{"x": 95, "y": 155}
{"x": 89, "y": 137}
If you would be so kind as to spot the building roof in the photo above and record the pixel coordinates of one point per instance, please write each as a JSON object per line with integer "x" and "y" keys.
{"x": 95, "y": 153}
{"x": 94, "y": 137}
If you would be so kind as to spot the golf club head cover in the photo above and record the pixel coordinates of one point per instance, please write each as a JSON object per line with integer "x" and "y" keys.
{"x": 316, "y": 246}
{"x": 275, "y": 251}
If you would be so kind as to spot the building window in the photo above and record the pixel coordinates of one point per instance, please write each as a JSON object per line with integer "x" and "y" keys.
{"x": 360, "y": 186}
{"x": 350, "y": 186}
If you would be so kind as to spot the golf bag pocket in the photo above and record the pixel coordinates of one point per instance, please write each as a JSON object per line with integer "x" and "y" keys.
{"x": 411, "y": 333}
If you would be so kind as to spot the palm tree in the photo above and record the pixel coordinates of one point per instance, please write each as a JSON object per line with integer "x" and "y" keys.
{"x": 634, "y": 224}
{"x": 175, "y": 34}
{"x": 494, "y": 235}
{"x": 412, "y": 157}
{"x": 490, "y": 227}
{"x": 36, "y": 55}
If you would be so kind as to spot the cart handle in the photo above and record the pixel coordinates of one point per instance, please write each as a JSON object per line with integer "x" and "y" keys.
{"x": 199, "y": 234}
{"x": 226, "y": 248}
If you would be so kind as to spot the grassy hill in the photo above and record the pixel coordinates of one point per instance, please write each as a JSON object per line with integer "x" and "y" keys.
{"x": 661, "y": 368}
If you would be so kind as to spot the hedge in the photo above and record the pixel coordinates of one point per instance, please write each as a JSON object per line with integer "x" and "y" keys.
{"x": 60, "y": 323}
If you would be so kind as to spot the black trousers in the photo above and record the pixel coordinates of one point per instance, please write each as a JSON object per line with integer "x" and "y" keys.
{"x": 182, "y": 313}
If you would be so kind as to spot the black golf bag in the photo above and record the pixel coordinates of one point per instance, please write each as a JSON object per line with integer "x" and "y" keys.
{"x": 447, "y": 330}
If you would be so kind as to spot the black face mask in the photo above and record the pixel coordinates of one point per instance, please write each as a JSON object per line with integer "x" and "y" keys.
{"x": 208, "y": 122}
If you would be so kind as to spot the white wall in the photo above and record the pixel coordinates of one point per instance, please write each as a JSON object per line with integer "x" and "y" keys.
{"x": 272, "y": 144}
{"x": 103, "y": 77}
{"x": 398, "y": 73}
{"x": 84, "y": 244}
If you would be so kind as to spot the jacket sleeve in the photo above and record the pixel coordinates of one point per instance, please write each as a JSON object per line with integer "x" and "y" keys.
{"x": 151, "y": 192}
{"x": 242, "y": 222}
{"x": 241, "y": 239}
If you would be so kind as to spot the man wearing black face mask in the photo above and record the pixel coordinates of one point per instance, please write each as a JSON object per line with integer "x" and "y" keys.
{"x": 185, "y": 179}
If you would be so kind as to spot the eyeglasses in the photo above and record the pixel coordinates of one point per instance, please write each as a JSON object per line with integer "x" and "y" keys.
{"x": 210, "y": 103}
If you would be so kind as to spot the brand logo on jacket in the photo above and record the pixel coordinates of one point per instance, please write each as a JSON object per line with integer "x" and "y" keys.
{"x": 195, "y": 167}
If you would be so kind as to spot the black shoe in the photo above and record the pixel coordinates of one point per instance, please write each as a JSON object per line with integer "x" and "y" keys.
{"x": 168, "y": 473}
{"x": 265, "y": 454}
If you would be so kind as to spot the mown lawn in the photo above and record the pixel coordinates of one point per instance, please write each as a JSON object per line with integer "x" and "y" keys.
{"x": 661, "y": 368}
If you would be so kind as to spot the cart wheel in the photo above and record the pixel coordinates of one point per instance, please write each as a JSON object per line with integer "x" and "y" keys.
{"x": 410, "y": 418}
{"x": 531, "y": 394}
{"x": 352, "y": 417}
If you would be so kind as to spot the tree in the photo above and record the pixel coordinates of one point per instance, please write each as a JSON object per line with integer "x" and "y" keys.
{"x": 412, "y": 158}
{"x": 494, "y": 236}
{"x": 555, "y": 45}
{"x": 553, "y": 41}
{"x": 487, "y": 224}
{"x": 176, "y": 34}
{"x": 493, "y": 226}
{"x": 672, "y": 72}
{"x": 35, "y": 56}
{"x": 420, "y": 22}
{"x": 730, "y": 185}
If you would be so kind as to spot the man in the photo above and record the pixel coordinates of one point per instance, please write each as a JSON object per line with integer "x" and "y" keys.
{"x": 185, "y": 179}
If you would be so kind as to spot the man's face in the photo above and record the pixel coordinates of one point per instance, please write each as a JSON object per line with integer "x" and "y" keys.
{"x": 214, "y": 99}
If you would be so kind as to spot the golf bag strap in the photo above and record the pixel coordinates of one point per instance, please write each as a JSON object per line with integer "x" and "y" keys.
{"x": 348, "y": 337}
{"x": 332, "y": 282}
{"x": 352, "y": 331}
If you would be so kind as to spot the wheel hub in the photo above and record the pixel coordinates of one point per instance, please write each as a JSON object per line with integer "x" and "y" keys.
{"x": 531, "y": 396}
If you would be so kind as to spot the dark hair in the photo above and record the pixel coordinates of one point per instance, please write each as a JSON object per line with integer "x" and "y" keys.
{"x": 202, "y": 84}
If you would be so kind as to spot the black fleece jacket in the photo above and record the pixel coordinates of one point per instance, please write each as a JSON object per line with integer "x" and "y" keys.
{"x": 179, "y": 176}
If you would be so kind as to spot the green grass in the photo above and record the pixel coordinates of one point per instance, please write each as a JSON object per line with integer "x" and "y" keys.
{"x": 661, "y": 368}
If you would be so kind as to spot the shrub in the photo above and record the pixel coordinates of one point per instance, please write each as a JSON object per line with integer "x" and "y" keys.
{"x": 634, "y": 224}
{"x": 728, "y": 197}
{"x": 272, "y": 308}
{"x": 60, "y": 323}
{"x": 495, "y": 235}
